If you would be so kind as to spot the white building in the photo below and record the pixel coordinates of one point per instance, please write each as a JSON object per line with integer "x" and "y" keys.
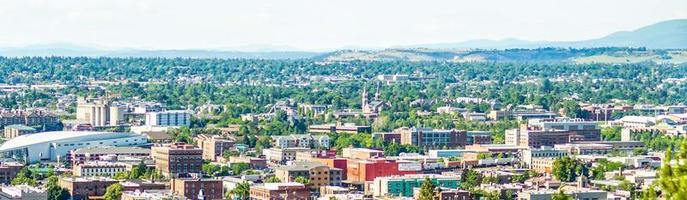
{"x": 51, "y": 145}
{"x": 98, "y": 168}
{"x": 301, "y": 140}
{"x": 169, "y": 118}
{"x": 18, "y": 192}
{"x": 547, "y": 194}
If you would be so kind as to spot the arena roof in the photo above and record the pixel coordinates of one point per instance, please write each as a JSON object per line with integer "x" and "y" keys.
{"x": 56, "y": 136}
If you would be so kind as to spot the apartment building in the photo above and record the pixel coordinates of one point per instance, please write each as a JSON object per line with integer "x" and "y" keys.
{"x": 301, "y": 140}
{"x": 169, "y": 118}
{"x": 98, "y": 168}
{"x": 213, "y": 146}
{"x": 542, "y": 152}
{"x": 29, "y": 117}
{"x": 16, "y": 130}
{"x": 339, "y": 128}
{"x": 282, "y": 155}
{"x": 318, "y": 173}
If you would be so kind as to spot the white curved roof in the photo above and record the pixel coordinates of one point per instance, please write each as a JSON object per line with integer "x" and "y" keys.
{"x": 57, "y": 136}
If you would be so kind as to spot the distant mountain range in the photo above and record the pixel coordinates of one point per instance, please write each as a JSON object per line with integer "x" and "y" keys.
{"x": 670, "y": 34}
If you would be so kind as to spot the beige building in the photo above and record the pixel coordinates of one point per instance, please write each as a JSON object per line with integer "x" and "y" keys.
{"x": 361, "y": 153}
{"x": 280, "y": 191}
{"x": 12, "y": 131}
{"x": 282, "y": 155}
{"x": 98, "y": 168}
{"x": 213, "y": 146}
{"x": 317, "y": 173}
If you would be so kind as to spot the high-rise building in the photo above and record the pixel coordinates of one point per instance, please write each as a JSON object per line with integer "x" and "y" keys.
{"x": 178, "y": 158}
{"x": 169, "y": 118}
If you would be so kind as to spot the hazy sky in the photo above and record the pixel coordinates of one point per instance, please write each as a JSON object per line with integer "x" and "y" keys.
{"x": 317, "y": 24}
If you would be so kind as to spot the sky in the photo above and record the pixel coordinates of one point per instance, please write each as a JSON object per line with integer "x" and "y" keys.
{"x": 313, "y": 25}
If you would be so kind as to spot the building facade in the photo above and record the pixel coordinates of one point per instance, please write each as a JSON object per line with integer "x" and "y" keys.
{"x": 98, "y": 169}
{"x": 280, "y": 191}
{"x": 302, "y": 141}
{"x": 16, "y": 130}
{"x": 178, "y": 158}
{"x": 403, "y": 186}
{"x": 169, "y": 118}
{"x": 197, "y": 188}
{"x": 318, "y": 173}
{"x": 81, "y": 188}
{"x": 549, "y": 132}
{"x": 213, "y": 146}
{"x": 432, "y": 138}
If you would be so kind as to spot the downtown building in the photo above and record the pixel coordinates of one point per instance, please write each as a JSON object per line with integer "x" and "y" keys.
{"x": 549, "y": 132}
{"x": 177, "y": 158}
{"x": 432, "y": 138}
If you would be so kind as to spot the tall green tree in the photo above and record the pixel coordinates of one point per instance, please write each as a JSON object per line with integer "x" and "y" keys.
{"x": 673, "y": 173}
{"x": 568, "y": 169}
{"x": 114, "y": 192}
{"x": 241, "y": 191}
{"x": 427, "y": 190}
{"x": 560, "y": 195}
{"x": 55, "y": 192}
{"x": 302, "y": 179}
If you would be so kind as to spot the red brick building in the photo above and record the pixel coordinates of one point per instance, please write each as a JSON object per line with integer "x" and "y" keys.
{"x": 358, "y": 171}
{"x": 178, "y": 158}
{"x": 192, "y": 188}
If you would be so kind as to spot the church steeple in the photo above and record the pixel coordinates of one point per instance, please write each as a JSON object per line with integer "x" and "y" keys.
{"x": 364, "y": 96}
{"x": 377, "y": 93}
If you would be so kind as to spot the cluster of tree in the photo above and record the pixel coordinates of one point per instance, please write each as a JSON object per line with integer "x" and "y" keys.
{"x": 140, "y": 171}
{"x": 211, "y": 170}
{"x": 55, "y": 192}
{"x": 673, "y": 173}
{"x": 657, "y": 141}
{"x": 611, "y": 133}
{"x": 602, "y": 166}
{"x": 567, "y": 169}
